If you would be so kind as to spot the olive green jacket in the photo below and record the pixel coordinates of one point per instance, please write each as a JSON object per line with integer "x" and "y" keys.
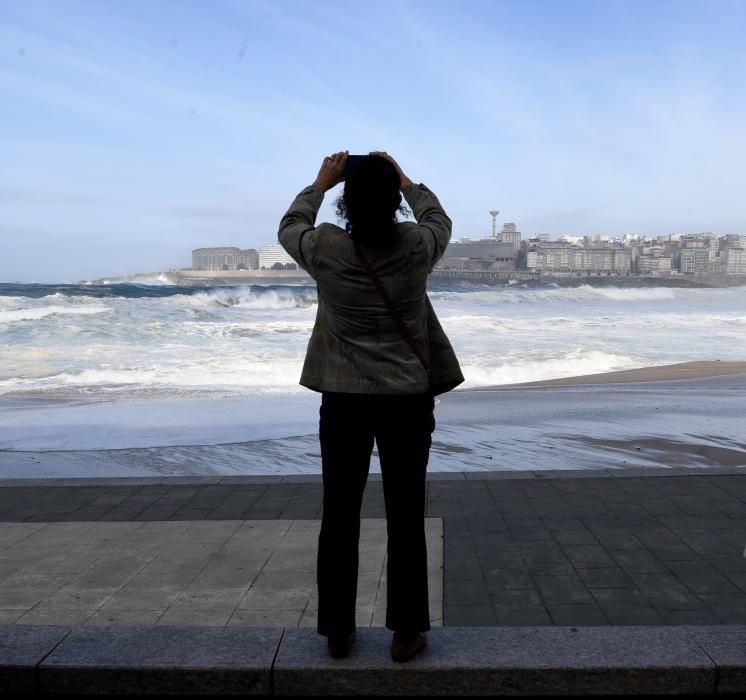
{"x": 356, "y": 345}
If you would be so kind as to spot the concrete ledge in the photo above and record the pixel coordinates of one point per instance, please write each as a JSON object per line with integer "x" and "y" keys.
{"x": 162, "y": 661}
{"x": 503, "y": 661}
{"x": 506, "y": 661}
{"x": 22, "y": 649}
{"x": 726, "y": 646}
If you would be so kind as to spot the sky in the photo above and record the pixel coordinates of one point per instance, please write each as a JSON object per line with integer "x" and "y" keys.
{"x": 133, "y": 131}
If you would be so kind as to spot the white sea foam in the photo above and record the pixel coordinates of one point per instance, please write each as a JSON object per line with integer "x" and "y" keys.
{"x": 39, "y": 312}
{"x": 630, "y": 294}
{"x": 245, "y": 330}
{"x": 224, "y": 379}
{"x": 232, "y": 357}
{"x": 518, "y": 294}
{"x": 243, "y": 340}
{"x": 159, "y": 280}
{"x": 577, "y": 362}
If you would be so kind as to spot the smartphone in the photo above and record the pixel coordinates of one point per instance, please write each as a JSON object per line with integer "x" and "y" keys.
{"x": 352, "y": 163}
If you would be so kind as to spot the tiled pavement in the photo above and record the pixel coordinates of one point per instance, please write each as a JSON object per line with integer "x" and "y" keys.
{"x": 187, "y": 572}
{"x": 637, "y": 551}
{"x": 565, "y": 550}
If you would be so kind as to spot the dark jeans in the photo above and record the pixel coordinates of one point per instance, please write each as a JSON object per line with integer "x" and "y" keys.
{"x": 401, "y": 426}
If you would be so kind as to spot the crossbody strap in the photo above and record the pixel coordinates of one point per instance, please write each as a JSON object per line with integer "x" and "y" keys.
{"x": 392, "y": 309}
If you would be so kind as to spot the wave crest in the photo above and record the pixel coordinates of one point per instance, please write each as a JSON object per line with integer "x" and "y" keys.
{"x": 38, "y": 312}
{"x": 584, "y": 292}
{"x": 251, "y": 298}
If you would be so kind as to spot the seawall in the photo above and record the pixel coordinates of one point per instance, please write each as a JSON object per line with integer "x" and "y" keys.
{"x": 500, "y": 278}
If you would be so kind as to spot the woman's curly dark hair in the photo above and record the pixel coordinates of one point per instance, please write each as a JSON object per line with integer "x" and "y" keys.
{"x": 370, "y": 202}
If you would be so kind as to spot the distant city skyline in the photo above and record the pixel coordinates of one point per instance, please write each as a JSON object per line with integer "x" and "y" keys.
{"x": 506, "y": 252}
{"x": 133, "y": 132}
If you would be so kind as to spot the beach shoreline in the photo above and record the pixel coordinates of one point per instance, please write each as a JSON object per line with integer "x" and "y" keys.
{"x": 681, "y": 415}
{"x": 700, "y": 369}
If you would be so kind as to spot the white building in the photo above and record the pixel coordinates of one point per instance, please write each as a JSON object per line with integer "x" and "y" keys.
{"x": 485, "y": 254}
{"x": 271, "y": 254}
{"x": 565, "y": 258}
{"x": 510, "y": 234}
{"x": 699, "y": 260}
{"x": 224, "y": 258}
{"x": 699, "y": 253}
{"x": 650, "y": 264}
{"x": 735, "y": 261}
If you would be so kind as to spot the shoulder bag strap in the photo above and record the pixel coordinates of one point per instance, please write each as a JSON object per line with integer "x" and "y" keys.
{"x": 392, "y": 309}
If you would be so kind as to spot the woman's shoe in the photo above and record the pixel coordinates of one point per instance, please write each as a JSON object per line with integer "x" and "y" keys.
{"x": 340, "y": 645}
{"x": 405, "y": 646}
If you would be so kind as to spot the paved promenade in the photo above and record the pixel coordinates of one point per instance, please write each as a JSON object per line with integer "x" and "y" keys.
{"x": 187, "y": 572}
{"x": 519, "y": 549}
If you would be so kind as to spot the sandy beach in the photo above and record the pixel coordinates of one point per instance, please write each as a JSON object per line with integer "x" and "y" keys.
{"x": 679, "y": 415}
{"x": 681, "y": 370}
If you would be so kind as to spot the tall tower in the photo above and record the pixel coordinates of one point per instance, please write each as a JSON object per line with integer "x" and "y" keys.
{"x": 494, "y": 213}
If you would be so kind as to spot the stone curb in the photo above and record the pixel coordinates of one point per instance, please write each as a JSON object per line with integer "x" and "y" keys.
{"x": 631, "y": 472}
{"x": 507, "y": 661}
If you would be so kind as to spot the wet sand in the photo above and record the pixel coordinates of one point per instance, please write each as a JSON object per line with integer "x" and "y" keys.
{"x": 682, "y": 370}
{"x": 684, "y": 415}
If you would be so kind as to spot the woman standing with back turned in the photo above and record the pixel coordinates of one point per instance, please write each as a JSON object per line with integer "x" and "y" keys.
{"x": 378, "y": 355}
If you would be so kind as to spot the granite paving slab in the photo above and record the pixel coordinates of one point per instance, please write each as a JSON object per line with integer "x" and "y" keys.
{"x": 212, "y": 573}
{"x": 601, "y": 530}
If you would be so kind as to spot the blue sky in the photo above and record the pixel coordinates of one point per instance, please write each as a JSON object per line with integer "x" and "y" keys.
{"x": 133, "y": 131}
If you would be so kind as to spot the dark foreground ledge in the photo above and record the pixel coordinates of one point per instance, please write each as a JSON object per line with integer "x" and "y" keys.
{"x": 507, "y": 661}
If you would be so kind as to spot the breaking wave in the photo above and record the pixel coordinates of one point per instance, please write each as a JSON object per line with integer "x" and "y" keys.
{"x": 520, "y": 294}
{"x": 158, "y": 340}
{"x": 39, "y": 312}
{"x": 253, "y": 298}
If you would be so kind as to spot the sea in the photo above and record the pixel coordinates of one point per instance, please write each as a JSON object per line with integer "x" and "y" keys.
{"x": 123, "y": 366}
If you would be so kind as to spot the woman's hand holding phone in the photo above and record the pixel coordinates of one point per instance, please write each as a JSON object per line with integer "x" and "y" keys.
{"x": 404, "y": 181}
{"x": 331, "y": 172}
